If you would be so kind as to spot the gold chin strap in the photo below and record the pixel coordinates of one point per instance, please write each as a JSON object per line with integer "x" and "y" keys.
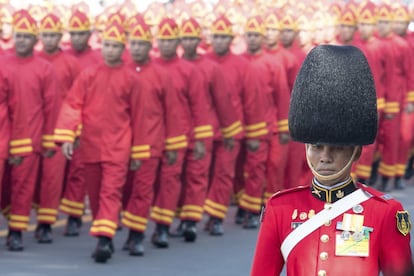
{"x": 333, "y": 176}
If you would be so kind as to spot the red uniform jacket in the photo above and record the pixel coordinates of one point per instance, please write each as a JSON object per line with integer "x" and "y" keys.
{"x": 218, "y": 97}
{"x": 298, "y": 52}
{"x": 289, "y": 61}
{"x": 274, "y": 86}
{"x": 161, "y": 108}
{"x": 189, "y": 84}
{"x": 86, "y": 58}
{"x": 4, "y": 116}
{"x": 109, "y": 103}
{"x": 245, "y": 96}
{"x": 67, "y": 69}
{"x": 389, "y": 248}
{"x": 34, "y": 105}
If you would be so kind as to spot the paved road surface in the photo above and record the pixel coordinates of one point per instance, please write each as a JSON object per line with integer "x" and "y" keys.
{"x": 228, "y": 255}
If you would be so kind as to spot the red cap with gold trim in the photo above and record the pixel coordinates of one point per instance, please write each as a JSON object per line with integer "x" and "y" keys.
{"x": 272, "y": 20}
{"x": 50, "y": 24}
{"x": 23, "y": 22}
{"x": 222, "y": 26}
{"x": 168, "y": 29}
{"x": 400, "y": 13}
{"x": 348, "y": 17}
{"x": 288, "y": 21}
{"x": 119, "y": 18}
{"x": 190, "y": 28}
{"x": 384, "y": 13}
{"x": 114, "y": 32}
{"x": 79, "y": 22}
{"x": 304, "y": 22}
{"x": 367, "y": 13}
{"x": 138, "y": 29}
{"x": 255, "y": 24}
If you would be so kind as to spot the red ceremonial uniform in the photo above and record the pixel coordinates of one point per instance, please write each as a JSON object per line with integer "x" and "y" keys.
{"x": 160, "y": 105}
{"x": 108, "y": 102}
{"x": 315, "y": 254}
{"x": 34, "y": 90}
{"x": 275, "y": 92}
{"x": 4, "y": 124}
{"x": 246, "y": 101}
{"x": 53, "y": 169}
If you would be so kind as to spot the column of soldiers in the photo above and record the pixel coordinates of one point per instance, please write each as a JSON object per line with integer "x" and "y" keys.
{"x": 162, "y": 118}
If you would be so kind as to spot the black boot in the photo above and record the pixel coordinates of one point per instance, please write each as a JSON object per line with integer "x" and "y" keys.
{"x": 14, "y": 241}
{"x": 374, "y": 173}
{"x": 160, "y": 236}
{"x": 240, "y": 216}
{"x": 190, "y": 231}
{"x": 136, "y": 248}
{"x": 104, "y": 250}
{"x": 43, "y": 233}
{"x": 409, "y": 171}
{"x": 252, "y": 221}
{"x": 385, "y": 187}
{"x": 215, "y": 226}
{"x": 399, "y": 183}
{"x": 73, "y": 226}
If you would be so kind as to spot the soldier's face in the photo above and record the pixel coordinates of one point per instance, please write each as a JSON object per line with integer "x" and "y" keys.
{"x": 254, "y": 41}
{"x": 400, "y": 27}
{"x": 112, "y": 51}
{"x": 139, "y": 50}
{"x": 50, "y": 41}
{"x": 346, "y": 32}
{"x": 24, "y": 43}
{"x": 384, "y": 28}
{"x": 272, "y": 37}
{"x": 329, "y": 160}
{"x": 221, "y": 43}
{"x": 366, "y": 31}
{"x": 190, "y": 44}
{"x": 168, "y": 47}
{"x": 287, "y": 37}
{"x": 79, "y": 40}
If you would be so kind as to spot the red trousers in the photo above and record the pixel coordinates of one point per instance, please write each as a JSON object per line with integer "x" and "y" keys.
{"x": 50, "y": 189}
{"x": 222, "y": 173}
{"x": 196, "y": 179}
{"x": 74, "y": 195}
{"x": 138, "y": 195}
{"x": 362, "y": 169}
{"x": 405, "y": 142}
{"x": 255, "y": 178}
{"x": 22, "y": 185}
{"x": 169, "y": 190}
{"x": 389, "y": 139}
{"x": 276, "y": 164}
{"x": 105, "y": 181}
{"x": 295, "y": 164}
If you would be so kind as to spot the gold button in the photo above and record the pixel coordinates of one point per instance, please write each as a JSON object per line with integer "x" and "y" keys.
{"x": 324, "y": 238}
{"x": 328, "y": 223}
{"x": 321, "y": 273}
{"x": 323, "y": 256}
{"x": 327, "y": 206}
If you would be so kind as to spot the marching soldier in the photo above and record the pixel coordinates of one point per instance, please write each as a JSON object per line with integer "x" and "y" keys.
{"x": 334, "y": 226}
{"x": 35, "y": 97}
{"x": 107, "y": 99}
{"x": 53, "y": 169}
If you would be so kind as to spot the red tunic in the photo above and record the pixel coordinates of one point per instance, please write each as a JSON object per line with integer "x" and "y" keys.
{"x": 245, "y": 96}
{"x": 218, "y": 99}
{"x": 275, "y": 88}
{"x": 108, "y": 102}
{"x": 87, "y": 57}
{"x": 4, "y": 117}
{"x": 35, "y": 105}
{"x": 189, "y": 85}
{"x": 289, "y": 61}
{"x": 160, "y": 105}
{"x": 389, "y": 249}
{"x": 67, "y": 69}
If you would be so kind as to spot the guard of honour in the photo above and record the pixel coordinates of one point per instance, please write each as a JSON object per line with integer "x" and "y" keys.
{"x": 149, "y": 135}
